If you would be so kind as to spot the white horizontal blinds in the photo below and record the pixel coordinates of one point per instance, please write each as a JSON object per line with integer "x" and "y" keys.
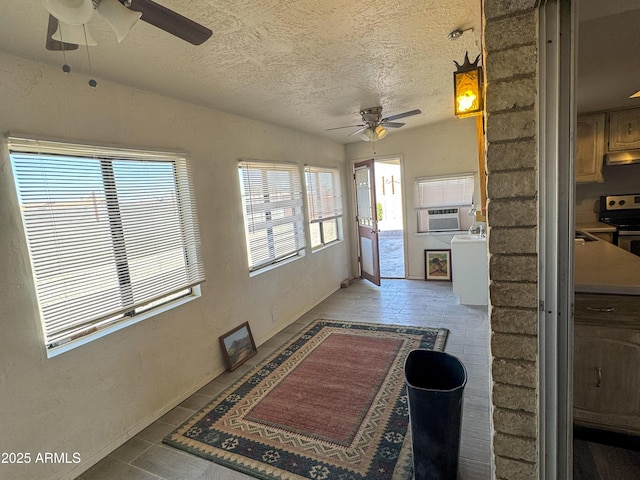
{"x": 106, "y": 236}
{"x": 272, "y": 205}
{"x": 444, "y": 192}
{"x": 324, "y": 195}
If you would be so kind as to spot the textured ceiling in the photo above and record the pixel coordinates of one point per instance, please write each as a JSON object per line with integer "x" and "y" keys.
{"x": 312, "y": 65}
{"x": 302, "y": 64}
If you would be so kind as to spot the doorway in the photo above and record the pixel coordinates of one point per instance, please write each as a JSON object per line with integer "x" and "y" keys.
{"x": 390, "y": 212}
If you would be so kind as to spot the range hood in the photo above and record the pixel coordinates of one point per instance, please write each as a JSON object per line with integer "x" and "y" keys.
{"x": 622, "y": 158}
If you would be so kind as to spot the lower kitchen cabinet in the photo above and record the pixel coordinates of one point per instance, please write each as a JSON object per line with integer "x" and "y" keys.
{"x": 606, "y": 379}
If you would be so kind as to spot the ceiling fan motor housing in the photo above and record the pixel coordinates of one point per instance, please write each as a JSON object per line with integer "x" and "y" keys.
{"x": 371, "y": 116}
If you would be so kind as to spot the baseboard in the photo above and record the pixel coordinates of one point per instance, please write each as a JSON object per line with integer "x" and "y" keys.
{"x": 133, "y": 431}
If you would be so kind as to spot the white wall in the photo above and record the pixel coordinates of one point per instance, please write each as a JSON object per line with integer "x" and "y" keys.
{"x": 439, "y": 149}
{"x": 89, "y": 400}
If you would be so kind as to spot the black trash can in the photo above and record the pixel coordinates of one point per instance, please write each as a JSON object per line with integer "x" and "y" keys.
{"x": 435, "y": 386}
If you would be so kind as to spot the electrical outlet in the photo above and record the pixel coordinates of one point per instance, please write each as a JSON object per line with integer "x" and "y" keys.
{"x": 274, "y": 317}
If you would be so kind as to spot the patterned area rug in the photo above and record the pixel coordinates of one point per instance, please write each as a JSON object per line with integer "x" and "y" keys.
{"x": 329, "y": 404}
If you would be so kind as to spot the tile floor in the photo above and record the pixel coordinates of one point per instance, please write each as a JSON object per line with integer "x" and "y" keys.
{"x": 411, "y": 302}
{"x": 391, "y": 252}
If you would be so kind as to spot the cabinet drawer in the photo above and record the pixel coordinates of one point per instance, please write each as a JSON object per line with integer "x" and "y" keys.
{"x": 607, "y": 310}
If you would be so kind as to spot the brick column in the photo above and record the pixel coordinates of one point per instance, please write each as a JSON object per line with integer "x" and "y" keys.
{"x": 510, "y": 60}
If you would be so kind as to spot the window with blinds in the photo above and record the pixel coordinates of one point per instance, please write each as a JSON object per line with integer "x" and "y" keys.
{"x": 273, "y": 212}
{"x": 440, "y": 193}
{"x": 445, "y": 191}
{"x": 112, "y": 235}
{"x": 324, "y": 199}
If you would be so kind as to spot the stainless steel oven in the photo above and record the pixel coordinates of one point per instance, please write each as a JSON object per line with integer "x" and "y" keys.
{"x": 623, "y": 212}
{"x": 629, "y": 240}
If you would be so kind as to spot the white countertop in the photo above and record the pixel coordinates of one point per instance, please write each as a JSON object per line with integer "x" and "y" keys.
{"x": 601, "y": 267}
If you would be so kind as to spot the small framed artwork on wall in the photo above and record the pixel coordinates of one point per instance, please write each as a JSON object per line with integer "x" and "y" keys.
{"x": 437, "y": 265}
{"x": 238, "y": 346}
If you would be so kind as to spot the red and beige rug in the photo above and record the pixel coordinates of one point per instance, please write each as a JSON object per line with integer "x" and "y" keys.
{"x": 330, "y": 404}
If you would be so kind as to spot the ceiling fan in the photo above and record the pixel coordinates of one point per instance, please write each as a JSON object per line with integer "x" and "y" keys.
{"x": 374, "y": 126}
{"x": 68, "y": 18}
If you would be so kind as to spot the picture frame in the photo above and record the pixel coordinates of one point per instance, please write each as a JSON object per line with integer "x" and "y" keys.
{"x": 437, "y": 265}
{"x": 238, "y": 346}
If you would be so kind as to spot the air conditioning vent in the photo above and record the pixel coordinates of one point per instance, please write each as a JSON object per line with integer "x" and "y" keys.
{"x": 439, "y": 219}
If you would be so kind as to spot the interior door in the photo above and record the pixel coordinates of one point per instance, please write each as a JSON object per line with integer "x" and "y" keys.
{"x": 367, "y": 220}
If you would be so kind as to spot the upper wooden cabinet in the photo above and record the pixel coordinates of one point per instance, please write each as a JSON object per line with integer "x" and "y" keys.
{"x": 590, "y": 148}
{"x": 624, "y": 129}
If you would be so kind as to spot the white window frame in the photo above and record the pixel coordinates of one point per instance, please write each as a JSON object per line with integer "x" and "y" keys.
{"x": 324, "y": 207}
{"x": 141, "y": 280}
{"x": 272, "y": 200}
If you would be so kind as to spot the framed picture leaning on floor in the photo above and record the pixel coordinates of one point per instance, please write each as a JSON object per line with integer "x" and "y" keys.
{"x": 437, "y": 265}
{"x": 238, "y": 346}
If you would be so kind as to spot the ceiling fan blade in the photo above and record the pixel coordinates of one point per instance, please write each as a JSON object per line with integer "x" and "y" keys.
{"x": 405, "y": 114}
{"x": 170, "y": 21}
{"x": 55, "y": 45}
{"x": 392, "y": 124}
{"x": 360, "y": 130}
{"x": 348, "y": 126}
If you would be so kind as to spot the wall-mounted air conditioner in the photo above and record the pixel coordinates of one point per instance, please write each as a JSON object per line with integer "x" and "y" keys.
{"x": 438, "y": 219}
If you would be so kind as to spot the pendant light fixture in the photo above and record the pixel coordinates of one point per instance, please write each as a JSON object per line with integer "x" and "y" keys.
{"x": 467, "y": 88}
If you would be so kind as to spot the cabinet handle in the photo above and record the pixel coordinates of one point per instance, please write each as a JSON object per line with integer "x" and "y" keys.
{"x": 599, "y": 370}
{"x": 602, "y": 310}
{"x": 629, "y": 128}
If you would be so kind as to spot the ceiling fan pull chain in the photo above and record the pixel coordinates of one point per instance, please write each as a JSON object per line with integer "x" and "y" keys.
{"x": 92, "y": 82}
{"x": 65, "y": 67}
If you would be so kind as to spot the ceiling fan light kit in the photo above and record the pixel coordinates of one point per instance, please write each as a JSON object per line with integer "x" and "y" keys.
{"x": 374, "y": 127}
{"x": 467, "y": 88}
{"x": 71, "y": 12}
{"x": 373, "y": 134}
{"x": 76, "y": 34}
{"x": 119, "y": 17}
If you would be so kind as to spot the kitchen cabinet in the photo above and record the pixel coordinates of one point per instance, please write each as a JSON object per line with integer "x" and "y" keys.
{"x": 606, "y": 392}
{"x": 590, "y": 140}
{"x": 624, "y": 129}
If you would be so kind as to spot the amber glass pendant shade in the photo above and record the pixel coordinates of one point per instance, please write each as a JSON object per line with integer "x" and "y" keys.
{"x": 467, "y": 85}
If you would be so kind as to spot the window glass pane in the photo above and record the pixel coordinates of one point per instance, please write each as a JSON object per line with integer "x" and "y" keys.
{"x": 272, "y": 206}
{"x": 77, "y": 281}
{"x": 151, "y": 226}
{"x": 363, "y": 194}
{"x": 324, "y": 197}
{"x": 444, "y": 192}
{"x": 316, "y": 239}
{"x": 108, "y": 237}
{"x": 330, "y": 230}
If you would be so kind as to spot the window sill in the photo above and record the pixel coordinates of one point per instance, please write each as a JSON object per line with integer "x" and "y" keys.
{"x": 324, "y": 247}
{"x": 55, "y": 351}
{"x": 450, "y": 232}
{"x": 273, "y": 266}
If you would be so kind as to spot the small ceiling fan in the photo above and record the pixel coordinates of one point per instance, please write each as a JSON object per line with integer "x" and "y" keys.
{"x": 374, "y": 126}
{"x": 68, "y": 18}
